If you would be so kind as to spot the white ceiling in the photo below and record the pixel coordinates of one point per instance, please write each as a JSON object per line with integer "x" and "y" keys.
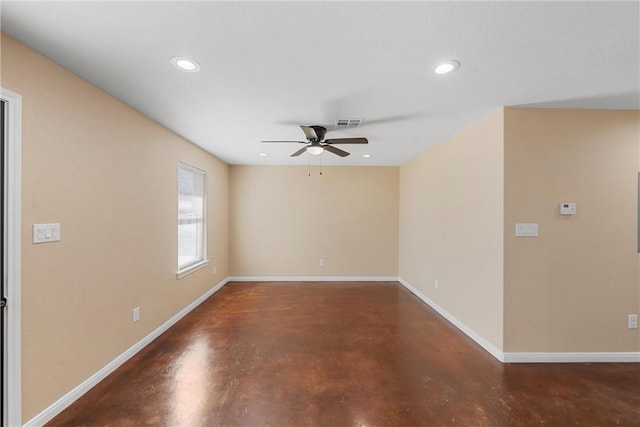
{"x": 268, "y": 66}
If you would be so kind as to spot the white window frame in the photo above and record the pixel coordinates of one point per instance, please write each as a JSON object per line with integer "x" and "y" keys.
{"x": 202, "y": 261}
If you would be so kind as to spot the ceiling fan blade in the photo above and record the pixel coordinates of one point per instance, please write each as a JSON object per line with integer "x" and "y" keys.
{"x": 390, "y": 119}
{"x": 347, "y": 141}
{"x": 335, "y": 150}
{"x": 328, "y": 126}
{"x": 300, "y": 151}
{"x": 296, "y": 142}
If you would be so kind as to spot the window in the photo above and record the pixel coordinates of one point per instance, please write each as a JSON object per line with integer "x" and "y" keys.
{"x": 192, "y": 248}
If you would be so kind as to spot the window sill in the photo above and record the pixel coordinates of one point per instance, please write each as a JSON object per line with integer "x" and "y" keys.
{"x": 188, "y": 270}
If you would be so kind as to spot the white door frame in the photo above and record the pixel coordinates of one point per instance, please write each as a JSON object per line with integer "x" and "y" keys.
{"x": 13, "y": 173}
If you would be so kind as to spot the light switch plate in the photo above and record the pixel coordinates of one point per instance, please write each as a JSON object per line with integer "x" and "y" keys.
{"x": 527, "y": 230}
{"x": 45, "y": 233}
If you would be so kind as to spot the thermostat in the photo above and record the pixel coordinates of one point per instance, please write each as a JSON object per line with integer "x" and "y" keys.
{"x": 567, "y": 208}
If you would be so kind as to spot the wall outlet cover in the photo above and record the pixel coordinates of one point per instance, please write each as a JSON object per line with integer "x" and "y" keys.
{"x": 632, "y": 322}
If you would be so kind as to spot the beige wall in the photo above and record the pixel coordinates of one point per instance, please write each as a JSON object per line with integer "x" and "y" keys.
{"x": 571, "y": 288}
{"x": 283, "y": 221}
{"x": 108, "y": 175}
{"x": 451, "y": 221}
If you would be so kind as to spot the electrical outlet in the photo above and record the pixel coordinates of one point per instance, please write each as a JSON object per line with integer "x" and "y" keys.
{"x": 633, "y": 321}
{"x": 436, "y": 284}
{"x": 136, "y": 314}
{"x": 214, "y": 270}
{"x": 321, "y": 262}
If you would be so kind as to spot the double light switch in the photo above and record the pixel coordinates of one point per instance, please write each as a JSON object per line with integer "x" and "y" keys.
{"x": 527, "y": 230}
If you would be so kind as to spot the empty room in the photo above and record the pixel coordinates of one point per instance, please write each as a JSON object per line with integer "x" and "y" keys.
{"x": 320, "y": 213}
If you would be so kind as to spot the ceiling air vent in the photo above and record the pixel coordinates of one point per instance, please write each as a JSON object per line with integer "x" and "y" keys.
{"x": 348, "y": 123}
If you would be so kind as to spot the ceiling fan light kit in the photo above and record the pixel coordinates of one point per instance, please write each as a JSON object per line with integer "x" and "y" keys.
{"x": 314, "y": 150}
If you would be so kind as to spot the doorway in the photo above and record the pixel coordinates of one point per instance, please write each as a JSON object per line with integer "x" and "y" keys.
{"x": 10, "y": 165}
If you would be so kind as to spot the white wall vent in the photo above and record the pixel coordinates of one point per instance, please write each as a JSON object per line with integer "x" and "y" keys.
{"x": 348, "y": 123}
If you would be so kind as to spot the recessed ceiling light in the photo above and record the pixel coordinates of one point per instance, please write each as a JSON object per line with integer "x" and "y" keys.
{"x": 263, "y": 154}
{"x": 366, "y": 155}
{"x": 447, "y": 67}
{"x": 185, "y": 64}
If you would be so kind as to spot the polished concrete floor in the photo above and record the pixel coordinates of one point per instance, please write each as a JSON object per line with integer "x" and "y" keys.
{"x": 343, "y": 354}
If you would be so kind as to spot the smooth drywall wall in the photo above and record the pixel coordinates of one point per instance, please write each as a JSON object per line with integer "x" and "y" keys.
{"x": 108, "y": 175}
{"x": 451, "y": 222}
{"x": 283, "y": 221}
{"x": 572, "y": 288}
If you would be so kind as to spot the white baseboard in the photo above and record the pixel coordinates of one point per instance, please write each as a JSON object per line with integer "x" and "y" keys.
{"x": 527, "y": 357}
{"x": 313, "y": 278}
{"x": 66, "y": 400}
{"x": 493, "y": 350}
{"x": 569, "y": 357}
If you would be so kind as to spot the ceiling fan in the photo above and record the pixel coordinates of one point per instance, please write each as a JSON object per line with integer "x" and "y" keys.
{"x": 316, "y": 143}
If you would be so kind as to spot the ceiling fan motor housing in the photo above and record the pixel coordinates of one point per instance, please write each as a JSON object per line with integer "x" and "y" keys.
{"x": 314, "y": 133}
